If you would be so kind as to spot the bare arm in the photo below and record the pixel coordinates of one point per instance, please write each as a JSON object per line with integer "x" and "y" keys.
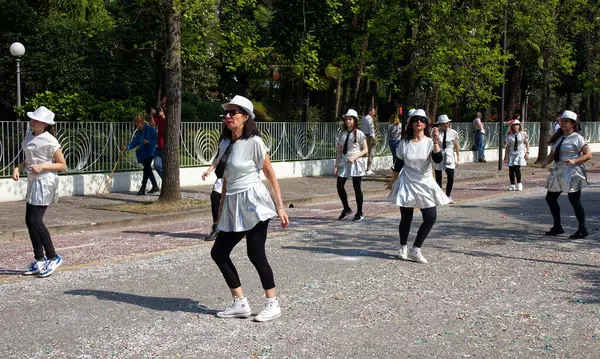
{"x": 272, "y": 178}
{"x": 586, "y": 155}
{"x": 457, "y": 150}
{"x": 338, "y": 154}
{"x": 526, "y": 146}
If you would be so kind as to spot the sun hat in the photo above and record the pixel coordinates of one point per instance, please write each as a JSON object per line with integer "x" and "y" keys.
{"x": 411, "y": 111}
{"x": 569, "y": 115}
{"x": 443, "y": 119}
{"x": 243, "y": 103}
{"x": 515, "y": 122}
{"x": 42, "y": 114}
{"x": 417, "y": 113}
{"x": 351, "y": 113}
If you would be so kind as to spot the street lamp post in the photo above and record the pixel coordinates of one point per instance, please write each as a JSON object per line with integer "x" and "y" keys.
{"x": 17, "y": 50}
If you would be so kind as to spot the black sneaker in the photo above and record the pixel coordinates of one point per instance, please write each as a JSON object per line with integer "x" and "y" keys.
{"x": 345, "y": 212}
{"x": 581, "y": 233}
{"x": 213, "y": 234}
{"x": 154, "y": 190}
{"x": 141, "y": 192}
{"x": 358, "y": 217}
{"x": 554, "y": 231}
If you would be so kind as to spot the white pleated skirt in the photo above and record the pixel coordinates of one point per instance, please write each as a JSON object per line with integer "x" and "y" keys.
{"x": 242, "y": 211}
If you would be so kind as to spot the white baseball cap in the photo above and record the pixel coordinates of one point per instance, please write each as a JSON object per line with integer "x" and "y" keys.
{"x": 243, "y": 103}
{"x": 42, "y": 114}
{"x": 351, "y": 113}
{"x": 569, "y": 115}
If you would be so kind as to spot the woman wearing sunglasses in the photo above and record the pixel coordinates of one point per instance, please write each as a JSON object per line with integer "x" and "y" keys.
{"x": 246, "y": 207}
{"x": 412, "y": 182}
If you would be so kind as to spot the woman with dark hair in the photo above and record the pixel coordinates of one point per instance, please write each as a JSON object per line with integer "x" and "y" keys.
{"x": 569, "y": 152}
{"x": 352, "y": 146}
{"x": 517, "y": 154}
{"x": 449, "y": 144}
{"x": 246, "y": 207}
{"x": 43, "y": 158}
{"x": 413, "y": 185}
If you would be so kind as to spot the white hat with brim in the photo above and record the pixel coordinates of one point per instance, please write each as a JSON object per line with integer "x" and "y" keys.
{"x": 42, "y": 114}
{"x": 243, "y": 103}
{"x": 569, "y": 115}
{"x": 443, "y": 119}
{"x": 417, "y": 113}
{"x": 515, "y": 122}
{"x": 351, "y": 113}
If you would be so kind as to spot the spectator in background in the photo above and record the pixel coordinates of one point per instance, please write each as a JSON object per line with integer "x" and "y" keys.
{"x": 394, "y": 133}
{"x": 368, "y": 128}
{"x": 144, "y": 140}
{"x": 158, "y": 122}
{"x": 479, "y": 134}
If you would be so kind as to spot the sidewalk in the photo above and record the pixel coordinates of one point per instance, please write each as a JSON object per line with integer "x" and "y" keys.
{"x": 84, "y": 213}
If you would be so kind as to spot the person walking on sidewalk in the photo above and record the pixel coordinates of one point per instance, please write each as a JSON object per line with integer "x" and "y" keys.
{"x": 413, "y": 185}
{"x": 158, "y": 121}
{"x": 352, "y": 146}
{"x": 43, "y": 159}
{"x": 569, "y": 152}
{"x": 394, "y": 134}
{"x": 517, "y": 154}
{"x": 479, "y": 133}
{"x": 246, "y": 207}
{"x": 368, "y": 129}
{"x": 144, "y": 140}
{"x": 449, "y": 143}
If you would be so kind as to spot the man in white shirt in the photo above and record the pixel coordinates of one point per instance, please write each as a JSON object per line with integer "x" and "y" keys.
{"x": 368, "y": 128}
{"x": 479, "y": 134}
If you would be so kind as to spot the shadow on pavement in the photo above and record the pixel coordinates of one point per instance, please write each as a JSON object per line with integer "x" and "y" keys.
{"x": 346, "y": 252}
{"x": 591, "y": 294}
{"x": 154, "y": 303}
{"x": 185, "y": 235}
{"x": 6, "y": 271}
{"x": 486, "y": 254}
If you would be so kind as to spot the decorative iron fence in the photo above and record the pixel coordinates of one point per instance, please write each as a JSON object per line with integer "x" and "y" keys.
{"x": 94, "y": 147}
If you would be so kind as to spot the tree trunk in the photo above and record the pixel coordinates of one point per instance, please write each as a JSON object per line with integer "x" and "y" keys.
{"x": 434, "y": 102}
{"x": 514, "y": 89}
{"x": 595, "y": 107}
{"x": 171, "y": 190}
{"x": 545, "y": 113}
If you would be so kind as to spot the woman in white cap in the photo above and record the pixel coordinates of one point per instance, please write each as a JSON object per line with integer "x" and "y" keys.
{"x": 43, "y": 159}
{"x": 449, "y": 143}
{"x": 352, "y": 146}
{"x": 569, "y": 152}
{"x": 516, "y": 154}
{"x": 246, "y": 207}
{"x": 413, "y": 185}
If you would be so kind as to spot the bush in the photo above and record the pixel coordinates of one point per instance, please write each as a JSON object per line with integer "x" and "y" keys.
{"x": 194, "y": 108}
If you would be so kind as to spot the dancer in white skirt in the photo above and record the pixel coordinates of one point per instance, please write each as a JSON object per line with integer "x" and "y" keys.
{"x": 413, "y": 185}
{"x": 246, "y": 207}
{"x": 569, "y": 152}
{"x": 43, "y": 158}
{"x": 349, "y": 162}
{"x": 516, "y": 155}
{"x": 449, "y": 143}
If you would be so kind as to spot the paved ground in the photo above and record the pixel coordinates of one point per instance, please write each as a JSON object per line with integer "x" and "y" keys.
{"x": 495, "y": 287}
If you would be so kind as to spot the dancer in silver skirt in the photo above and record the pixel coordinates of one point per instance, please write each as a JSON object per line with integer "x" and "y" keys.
{"x": 517, "y": 154}
{"x": 569, "y": 152}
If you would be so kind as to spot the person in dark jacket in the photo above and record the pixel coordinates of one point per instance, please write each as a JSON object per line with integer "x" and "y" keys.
{"x": 144, "y": 140}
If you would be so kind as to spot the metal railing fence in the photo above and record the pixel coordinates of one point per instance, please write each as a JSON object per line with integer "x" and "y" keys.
{"x": 94, "y": 146}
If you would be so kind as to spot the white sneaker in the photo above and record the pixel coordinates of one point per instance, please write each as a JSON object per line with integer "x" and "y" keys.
{"x": 512, "y": 187}
{"x": 370, "y": 173}
{"x": 239, "y": 309}
{"x": 415, "y": 254}
{"x": 451, "y": 200}
{"x": 50, "y": 266}
{"x": 403, "y": 252}
{"x": 35, "y": 267}
{"x": 270, "y": 311}
{"x": 519, "y": 186}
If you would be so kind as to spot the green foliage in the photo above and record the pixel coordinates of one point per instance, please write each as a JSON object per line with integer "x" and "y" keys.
{"x": 82, "y": 106}
{"x": 195, "y": 108}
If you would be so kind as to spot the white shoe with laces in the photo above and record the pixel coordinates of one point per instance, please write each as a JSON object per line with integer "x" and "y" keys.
{"x": 512, "y": 187}
{"x": 35, "y": 267}
{"x": 50, "y": 266}
{"x": 451, "y": 200}
{"x": 239, "y": 309}
{"x": 403, "y": 252}
{"x": 270, "y": 311}
{"x": 370, "y": 173}
{"x": 416, "y": 255}
{"x": 519, "y": 186}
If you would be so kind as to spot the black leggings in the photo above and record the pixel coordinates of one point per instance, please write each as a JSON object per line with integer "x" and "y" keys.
{"x": 514, "y": 171}
{"x": 356, "y": 181}
{"x": 215, "y": 202}
{"x": 406, "y": 217}
{"x": 38, "y": 233}
{"x": 449, "y": 182}
{"x": 255, "y": 242}
{"x": 147, "y": 163}
{"x": 574, "y": 198}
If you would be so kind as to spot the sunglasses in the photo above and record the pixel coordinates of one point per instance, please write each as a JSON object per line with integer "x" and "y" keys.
{"x": 232, "y": 113}
{"x": 420, "y": 119}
